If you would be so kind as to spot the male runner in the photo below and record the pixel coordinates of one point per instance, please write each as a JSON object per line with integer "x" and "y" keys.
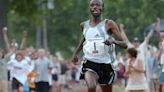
{"x": 98, "y": 46}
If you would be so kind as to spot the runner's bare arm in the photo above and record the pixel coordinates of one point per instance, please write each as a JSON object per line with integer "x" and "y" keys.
{"x": 79, "y": 47}
{"x": 23, "y": 43}
{"x": 113, "y": 28}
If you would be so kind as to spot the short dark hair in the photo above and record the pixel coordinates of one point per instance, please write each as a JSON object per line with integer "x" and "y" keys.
{"x": 133, "y": 52}
{"x": 101, "y": 1}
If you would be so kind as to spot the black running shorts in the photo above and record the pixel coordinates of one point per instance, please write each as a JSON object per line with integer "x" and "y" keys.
{"x": 105, "y": 72}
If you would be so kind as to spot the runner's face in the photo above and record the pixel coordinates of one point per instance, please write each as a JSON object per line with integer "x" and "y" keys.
{"x": 96, "y": 7}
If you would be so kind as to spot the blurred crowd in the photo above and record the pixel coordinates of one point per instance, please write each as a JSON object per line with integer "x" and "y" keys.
{"x": 25, "y": 69}
{"x": 34, "y": 70}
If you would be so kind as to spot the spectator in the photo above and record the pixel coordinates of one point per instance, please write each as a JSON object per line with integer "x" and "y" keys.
{"x": 32, "y": 74}
{"x": 152, "y": 74}
{"x": 135, "y": 71}
{"x": 19, "y": 69}
{"x": 3, "y": 71}
{"x": 120, "y": 74}
{"x": 55, "y": 75}
{"x": 42, "y": 67}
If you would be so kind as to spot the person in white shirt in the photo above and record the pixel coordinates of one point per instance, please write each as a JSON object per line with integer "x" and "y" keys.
{"x": 18, "y": 69}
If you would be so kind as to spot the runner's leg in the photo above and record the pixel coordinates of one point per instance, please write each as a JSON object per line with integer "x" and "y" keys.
{"x": 91, "y": 80}
{"x": 106, "y": 88}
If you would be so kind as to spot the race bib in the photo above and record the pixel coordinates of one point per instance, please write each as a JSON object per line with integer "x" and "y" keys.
{"x": 94, "y": 46}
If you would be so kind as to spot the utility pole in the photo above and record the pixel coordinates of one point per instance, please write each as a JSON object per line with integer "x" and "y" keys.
{"x": 47, "y": 5}
{"x": 38, "y": 37}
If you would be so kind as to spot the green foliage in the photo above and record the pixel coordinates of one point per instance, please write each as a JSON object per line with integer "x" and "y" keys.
{"x": 63, "y": 21}
{"x": 24, "y": 7}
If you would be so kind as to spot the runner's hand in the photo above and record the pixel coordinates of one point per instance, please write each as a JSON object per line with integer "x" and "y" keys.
{"x": 75, "y": 59}
{"x": 109, "y": 42}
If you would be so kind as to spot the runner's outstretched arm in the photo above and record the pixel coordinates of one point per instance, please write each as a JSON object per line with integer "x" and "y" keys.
{"x": 79, "y": 48}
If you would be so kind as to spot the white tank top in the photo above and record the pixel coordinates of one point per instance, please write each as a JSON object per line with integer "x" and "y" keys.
{"x": 94, "y": 49}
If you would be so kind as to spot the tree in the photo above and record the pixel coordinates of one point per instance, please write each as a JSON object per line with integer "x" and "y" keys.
{"x": 63, "y": 21}
{"x": 3, "y": 19}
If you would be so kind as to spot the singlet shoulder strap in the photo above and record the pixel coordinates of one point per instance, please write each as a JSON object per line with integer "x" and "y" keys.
{"x": 102, "y": 32}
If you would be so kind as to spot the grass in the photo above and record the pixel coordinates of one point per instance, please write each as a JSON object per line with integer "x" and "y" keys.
{"x": 118, "y": 88}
